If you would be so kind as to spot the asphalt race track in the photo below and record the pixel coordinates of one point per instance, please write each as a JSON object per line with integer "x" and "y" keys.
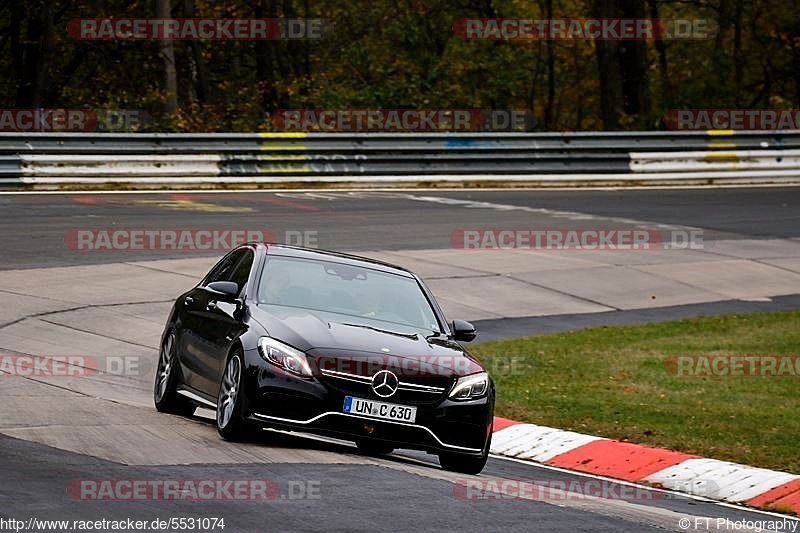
{"x": 107, "y": 308}
{"x": 357, "y": 221}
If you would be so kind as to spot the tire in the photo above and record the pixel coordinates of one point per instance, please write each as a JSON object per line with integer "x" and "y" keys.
{"x": 465, "y": 464}
{"x": 374, "y": 447}
{"x": 230, "y": 422}
{"x": 165, "y": 395}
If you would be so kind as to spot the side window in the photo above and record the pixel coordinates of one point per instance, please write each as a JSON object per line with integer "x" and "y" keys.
{"x": 242, "y": 272}
{"x": 225, "y": 268}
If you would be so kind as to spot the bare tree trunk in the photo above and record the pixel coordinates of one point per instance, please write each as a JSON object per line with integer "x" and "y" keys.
{"x": 167, "y": 53}
{"x": 200, "y": 72}
{"x": 578, "y": 69}
{"x": 265, "y": 65}
{"x": 796, "y": 63}
{"x": 32, "y": 53}
{"x": 622, "y": 66}
{"x": 737, "y": 51}
{"x": 307, "y": 51}
{"x": 612, "y": 100}
{"x": 551, "y": 74}
{"x": 663, "y": 65}
{"x": 633, "y": 56}
{"x": 611, "y": 97}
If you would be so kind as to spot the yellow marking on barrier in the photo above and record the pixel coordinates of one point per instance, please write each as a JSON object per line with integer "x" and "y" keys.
{"x": 282, "y": 141}
{"x": 283, "y": 135}
{"x": 279, "y": 142}
{"x": 720, "y": 145}
{"x": 722, "y": 155}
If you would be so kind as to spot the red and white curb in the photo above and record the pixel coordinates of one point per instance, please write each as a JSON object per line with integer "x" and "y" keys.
{"x": 717, "y": 480}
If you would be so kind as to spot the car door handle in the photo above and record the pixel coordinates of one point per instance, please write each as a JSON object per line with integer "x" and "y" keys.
{"x": 211, "y": 306}
{"x": 188, "y": 300}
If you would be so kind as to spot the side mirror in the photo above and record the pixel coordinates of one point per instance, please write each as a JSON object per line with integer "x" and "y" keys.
{"x": 224, "y": 291}
{"x": 464, "y": 331}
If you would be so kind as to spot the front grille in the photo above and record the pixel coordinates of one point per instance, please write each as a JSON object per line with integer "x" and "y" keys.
{"x": 410, "y": 390}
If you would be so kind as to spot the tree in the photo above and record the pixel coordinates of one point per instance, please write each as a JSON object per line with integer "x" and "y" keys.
{"x": 622, "y": 65}
{"x": 167, "y": 54}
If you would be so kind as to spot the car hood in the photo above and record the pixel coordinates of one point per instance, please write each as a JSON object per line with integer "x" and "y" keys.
{"x": 334, "y": 336}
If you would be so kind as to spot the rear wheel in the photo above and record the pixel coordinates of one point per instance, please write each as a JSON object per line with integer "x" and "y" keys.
{"x": 165, "y": 395}
{"x": 374, "y": 447}
{"x": 230, "y": 423}
{"x": 465, "y": 464}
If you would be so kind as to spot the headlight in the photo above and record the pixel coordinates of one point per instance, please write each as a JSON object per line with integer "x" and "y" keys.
{"x": 284, "y": 356}
{"x": 470, "y": 387}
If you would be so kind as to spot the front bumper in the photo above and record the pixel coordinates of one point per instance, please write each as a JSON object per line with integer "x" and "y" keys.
{"x": 282, "y": 401}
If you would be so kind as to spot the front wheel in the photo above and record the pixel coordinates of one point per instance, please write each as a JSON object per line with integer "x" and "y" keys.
{"x": 165, "y": 395}
{"x": 466, "y": 464}
{"x": 230, "y": 423}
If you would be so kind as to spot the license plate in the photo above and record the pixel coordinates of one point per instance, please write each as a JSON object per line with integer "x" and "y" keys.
{"x": 386, "y": 411}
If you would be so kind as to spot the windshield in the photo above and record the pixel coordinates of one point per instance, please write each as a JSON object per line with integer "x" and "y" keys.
{"x": 347, "y": 290}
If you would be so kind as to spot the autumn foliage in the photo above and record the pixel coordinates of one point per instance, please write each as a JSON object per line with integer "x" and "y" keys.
{"x": 378, "y": 54}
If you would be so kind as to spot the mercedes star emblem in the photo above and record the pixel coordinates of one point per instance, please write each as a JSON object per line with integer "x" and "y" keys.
{"x": 384, "y": 383}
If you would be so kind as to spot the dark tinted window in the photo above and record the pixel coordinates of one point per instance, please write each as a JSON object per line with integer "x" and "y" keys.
{"x": 370, "y": 295}
{"x": 225, "y": 268}
{"x": 242, "y": 272}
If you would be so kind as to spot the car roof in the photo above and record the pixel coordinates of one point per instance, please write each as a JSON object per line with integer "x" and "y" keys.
{"x": 328, "y": 255}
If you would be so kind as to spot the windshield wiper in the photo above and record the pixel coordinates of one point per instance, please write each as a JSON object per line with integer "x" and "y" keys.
{"x": 412, "y": 336}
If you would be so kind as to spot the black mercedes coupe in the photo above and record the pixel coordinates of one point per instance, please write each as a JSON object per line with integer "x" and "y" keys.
{"x": 327, "y": 343}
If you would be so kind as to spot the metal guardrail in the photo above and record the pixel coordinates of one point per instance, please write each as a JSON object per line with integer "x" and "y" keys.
{"x": 637, "y": 157}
